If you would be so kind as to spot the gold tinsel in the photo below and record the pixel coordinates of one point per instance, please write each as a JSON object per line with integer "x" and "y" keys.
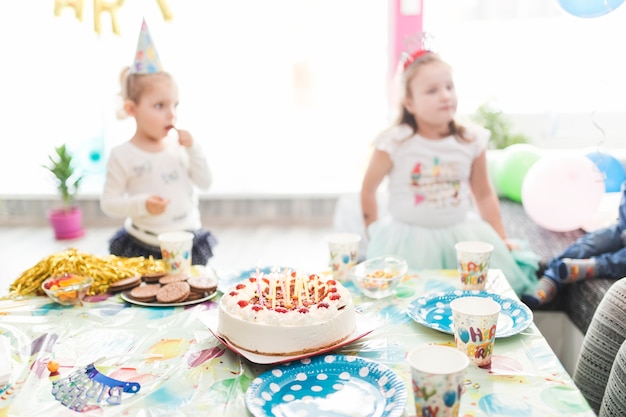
{"x": 103, "y": 269}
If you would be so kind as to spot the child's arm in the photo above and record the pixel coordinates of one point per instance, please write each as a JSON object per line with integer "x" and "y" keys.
{"x": 380, "y": 164}
{"x": 485, "y": 197}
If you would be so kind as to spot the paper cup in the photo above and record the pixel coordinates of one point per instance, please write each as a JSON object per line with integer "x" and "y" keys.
{"x": 473, "y": 262}
{"x": 474, "y": 320}
{"x": 176, "y": 251}
{"x": 344, "y": 250}
{"x": 438, "y": 374}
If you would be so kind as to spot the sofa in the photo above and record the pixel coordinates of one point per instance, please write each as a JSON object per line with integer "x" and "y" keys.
{"x": 578, "y": 300}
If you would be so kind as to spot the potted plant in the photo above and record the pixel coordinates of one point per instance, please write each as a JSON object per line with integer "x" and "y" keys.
{"x": 493, "y": 119}
{"x": 66, "y": 221}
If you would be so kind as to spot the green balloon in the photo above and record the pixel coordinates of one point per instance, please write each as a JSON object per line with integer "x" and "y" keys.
{"x": 512, "y": 168}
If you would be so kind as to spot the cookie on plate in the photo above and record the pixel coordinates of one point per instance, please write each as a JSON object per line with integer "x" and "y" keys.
{"x": 169, "y": 278}
{"x": 125, "y": 283}
{"x": 203, "y": 285}
{"x": 145, "y": 293}
{"x": 176, "y": 292}
{"x": 153, "y": 278}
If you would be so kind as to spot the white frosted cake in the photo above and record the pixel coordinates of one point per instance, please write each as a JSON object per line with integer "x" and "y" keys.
{"x": 286, "y": 313}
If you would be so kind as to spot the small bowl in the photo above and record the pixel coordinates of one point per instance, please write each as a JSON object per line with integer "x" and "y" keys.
{"x": 67, "y": 289}
{"x": 378, "y": 277}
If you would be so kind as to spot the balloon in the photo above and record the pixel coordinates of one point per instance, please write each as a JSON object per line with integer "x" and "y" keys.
{"x": 611, "y": 168}
{"x": 512, "y": 167}
{"x": 589, "y": 8}
{"x": 561, "y": 193}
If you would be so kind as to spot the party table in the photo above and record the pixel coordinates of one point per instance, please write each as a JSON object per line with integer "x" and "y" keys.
{"x": 184, "y": 370}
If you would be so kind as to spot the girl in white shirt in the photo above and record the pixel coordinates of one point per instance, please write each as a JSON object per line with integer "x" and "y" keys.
{"x": 438, "y": 185}
{"x": 151, "y": 180}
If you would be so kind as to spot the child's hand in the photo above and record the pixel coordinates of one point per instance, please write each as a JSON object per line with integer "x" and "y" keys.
{"x": 185, "y": 138}
{"x": 156, "y": 205}
{"x": 511, "y": 244}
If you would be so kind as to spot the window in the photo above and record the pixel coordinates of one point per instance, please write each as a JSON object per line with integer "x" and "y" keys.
{"x": 558, "y": 76}
{"x": 284, "y": 95}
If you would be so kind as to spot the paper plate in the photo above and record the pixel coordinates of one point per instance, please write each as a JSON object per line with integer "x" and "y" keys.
{"x": 328, "y": 385}
{"x": 434, "y": 311}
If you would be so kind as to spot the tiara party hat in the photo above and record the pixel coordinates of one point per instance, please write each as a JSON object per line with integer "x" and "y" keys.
{"x": 417, "y": 46}
{"x": 146, "y": 58}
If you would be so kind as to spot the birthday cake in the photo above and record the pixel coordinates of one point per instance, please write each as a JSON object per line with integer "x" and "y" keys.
{"x": 286, "y": 313}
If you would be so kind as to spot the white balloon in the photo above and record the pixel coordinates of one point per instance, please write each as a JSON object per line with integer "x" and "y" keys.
{"x": 561, "y": 193}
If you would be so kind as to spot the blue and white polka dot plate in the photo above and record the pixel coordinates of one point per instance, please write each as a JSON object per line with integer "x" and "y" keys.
{"x": 327, "y": 386}
{"x": 433, "y": 311}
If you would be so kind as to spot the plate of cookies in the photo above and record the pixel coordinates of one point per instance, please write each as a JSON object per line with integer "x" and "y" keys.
{"x": 168, "y": 290}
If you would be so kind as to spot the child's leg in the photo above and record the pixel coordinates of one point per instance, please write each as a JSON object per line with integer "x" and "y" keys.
{"x": 607, "y": 265}
{"x": 572, "y": 270}
{"x": 595, "y": 243}
{"x": 544, "y": 292}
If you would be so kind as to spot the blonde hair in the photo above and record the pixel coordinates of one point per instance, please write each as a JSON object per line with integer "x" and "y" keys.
{"x": 132, "y": 87}
{"x": 404, "y": 116}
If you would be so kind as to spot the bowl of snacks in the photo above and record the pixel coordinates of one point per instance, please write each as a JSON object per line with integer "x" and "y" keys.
{"x": 378, "y": 277}
{"x": 67, "y": 289}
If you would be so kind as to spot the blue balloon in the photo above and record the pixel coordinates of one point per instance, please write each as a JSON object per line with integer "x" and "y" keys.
{"x": 611, "y": 168}
{"x": 590, "y": 8}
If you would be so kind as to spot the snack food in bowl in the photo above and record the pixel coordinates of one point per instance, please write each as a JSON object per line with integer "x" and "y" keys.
{"x": 67, "y": 289}
{"x": 377, "y": 277}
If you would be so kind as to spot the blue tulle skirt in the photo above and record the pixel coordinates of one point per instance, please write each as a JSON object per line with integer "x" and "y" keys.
{"x": 433, "y": 248}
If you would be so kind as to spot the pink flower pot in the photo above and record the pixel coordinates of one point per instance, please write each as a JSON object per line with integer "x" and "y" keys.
{"x": 67, "y": 224}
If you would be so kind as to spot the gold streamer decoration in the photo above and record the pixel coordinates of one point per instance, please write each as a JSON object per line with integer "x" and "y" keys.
{"x": 104, "y": 271}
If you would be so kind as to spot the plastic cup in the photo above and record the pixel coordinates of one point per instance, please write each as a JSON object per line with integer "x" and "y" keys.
{"x": 473, "y": 263}
{"x": 474, "y": 320}
{"x": 176, "y": 251}
{"x": 344, "y": 251}
{"x": 438, "y": 374}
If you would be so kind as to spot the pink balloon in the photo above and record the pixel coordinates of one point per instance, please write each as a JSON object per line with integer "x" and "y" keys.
{"x": 561, "y": 193}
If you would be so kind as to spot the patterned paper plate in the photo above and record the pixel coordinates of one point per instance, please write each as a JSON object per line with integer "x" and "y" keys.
{"x": 433, "y": 311}
{"x": 328, "y": 385}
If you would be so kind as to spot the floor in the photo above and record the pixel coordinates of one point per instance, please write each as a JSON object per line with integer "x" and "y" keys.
{"x": 238, "y": 248}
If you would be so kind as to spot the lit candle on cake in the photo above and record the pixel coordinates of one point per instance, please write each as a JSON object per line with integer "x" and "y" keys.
{"x": 287, "y": 295}
{"x": 297, "y": 289}
{"x": 273, "y": 290}
{"x": 259, "y": 276}
{"x": 316, "y": 287}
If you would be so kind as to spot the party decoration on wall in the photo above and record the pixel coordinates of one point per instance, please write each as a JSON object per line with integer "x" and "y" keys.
{"x": 589, "y": 8}
{"x": 103, "y": 6}
{"x": 561, "y": 193}
{"x": 510, "y": 170}
{"x": 77, "y": 5}
{"x": 100, "y": 6}
{"x": 146, "y": 57}
{"x": 611, "y": 168}
{"x": 166, "y": 12}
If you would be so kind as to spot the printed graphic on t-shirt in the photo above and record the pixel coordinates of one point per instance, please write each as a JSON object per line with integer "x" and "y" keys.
{"x": 169, "y": 177}
{"x": 436, "y": 185}
{"x": 141, "y": 170}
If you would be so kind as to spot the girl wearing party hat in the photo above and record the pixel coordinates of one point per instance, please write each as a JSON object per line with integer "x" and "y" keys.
{"x": 439, "y": 189}
{"x": 152, "y": 179}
